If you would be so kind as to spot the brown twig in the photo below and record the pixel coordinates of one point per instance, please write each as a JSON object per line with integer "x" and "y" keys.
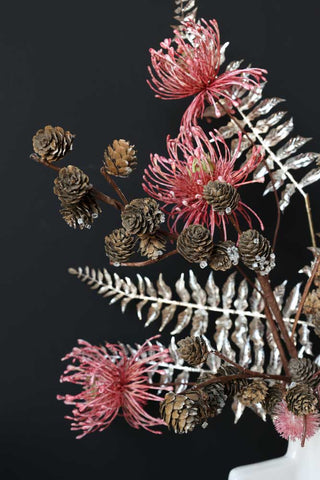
{"x": 251, "y": 374}
{"x": 304, "y": 295}
{"x": 235, "y": 224}
{"x": 304, "y": 435}
{"x": 277, "y": 339}
{"x": 114, "y": 185}
{"x": 148, "y": 262}
{"x": 274, "y": 307}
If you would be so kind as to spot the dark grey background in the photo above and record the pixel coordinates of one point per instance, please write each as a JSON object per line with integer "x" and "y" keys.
{"x": 83, "y": 66}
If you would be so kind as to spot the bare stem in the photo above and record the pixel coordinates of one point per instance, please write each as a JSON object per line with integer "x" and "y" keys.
{"x": 147, "y": 262}
{"x": 277, "y": 339}
{"x": 304, "y": 295}
{"x": 250, "y": 374}
{"x": 114, "y": 185}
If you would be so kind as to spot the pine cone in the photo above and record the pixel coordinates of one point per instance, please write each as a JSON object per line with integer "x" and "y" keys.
{"x": 120, "y": 159}
{"x": 255, "y": 252}
{"x": 274, "y": 396}
{"x": 301, "y": 400}
{"x": 82, "y": 214}
{"x": 195, "y": 244}
{"x": 142, "y": 216}
{"x": 302, "y": 371}
{"x": 184, "y": 411}
{"x": 52, "y": 143}
{"x": 119, "y": 245}
{"x": 216, "y": 394}
{"x": 71, "y": 185}
{"x": 312, "y": 304}
{"x": 234, "y": 386}
{"x": 152, "y": 246}
{"x": 193, "y": 350}
{"x": 254, "y": 392}
{"x": 224, "y": 255}
{"x": 222, "y": 197}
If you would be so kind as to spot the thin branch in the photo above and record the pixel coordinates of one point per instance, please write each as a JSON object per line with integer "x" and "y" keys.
{"x": 277, "y": 339}
{"x": 147, "y": 262}
{"x": 250, "y": 374}
{"x": 304, "y": 295}
{"x": 114, "y": 185}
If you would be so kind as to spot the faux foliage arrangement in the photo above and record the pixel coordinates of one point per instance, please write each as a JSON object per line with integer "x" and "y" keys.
{"x": 260, "y": 356}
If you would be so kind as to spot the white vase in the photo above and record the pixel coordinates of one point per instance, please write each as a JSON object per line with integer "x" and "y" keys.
{"x": 297, "y": 464}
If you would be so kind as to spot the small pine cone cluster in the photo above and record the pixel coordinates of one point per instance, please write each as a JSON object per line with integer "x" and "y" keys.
{"x": 301, "y": 400}
{"x": 82, "y": 214}
{"x": 222, "y": 196}
{"x": 224, "y": 255}
{"x": 195, "y": 244}
{"x": 120, "y": 158}
{"x": 302, "y": 370}
{"x": 71, "y": 185}
{"x": 193, "y": 350}
{"x": 52, "y": 143}
{"x": 119, "y": 245}
{"x": 183, "y": 412}
{"x": 312, "y": 304}
{"x": 254, "y": 392}
{"x": 274, "y": 396}
{"x": 152, "y": 246}
{"x": 233, "y": 387}
{"x": 142, "y": 216}
{"x": 256, "y": 252}
{"x": 216, "y": 394}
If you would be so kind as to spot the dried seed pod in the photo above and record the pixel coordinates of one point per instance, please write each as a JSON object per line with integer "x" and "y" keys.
{"x": 193, "y": 350}
{"x": 83, "y": 214}
{"x": 52, "y": 143}
{"x": 302, "y": 370}
{"x": 120, "y": 158}
{"x": 152, "y": 246}
{"x": 256, "y": 252}
{"x": 312, "y": 304}
{"x": 119, "y": 245}
{"x": 216, "y": 394}
{"x": 183, "y": 412}
{"x": 71, "y": 185}
{"x": 254, "y": 392}
{"x": 234, "y": 386}
{"x": 195, "y": 244}
{"x": 274, "y": 395}
{"x": 141, "y": 216}
{"x": 222, "y": 196}
{"x": 224, "y": 255}
{"x": 301, "y": 400}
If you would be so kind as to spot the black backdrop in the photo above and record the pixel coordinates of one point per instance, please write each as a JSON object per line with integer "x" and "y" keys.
{"x": 83, "y": 66}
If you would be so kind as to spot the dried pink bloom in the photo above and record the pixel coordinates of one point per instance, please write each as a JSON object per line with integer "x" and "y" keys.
{"x": 192, "y": 68}
{"x": 292, "y": 427}
{"x": 178, "y": 183}
{"x": 113, "y": 383}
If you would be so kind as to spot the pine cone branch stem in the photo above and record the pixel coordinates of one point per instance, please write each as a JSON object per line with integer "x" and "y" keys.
{"x": 234, "y": 221}
{"x": 106, "y": 199}
{"x": 277, "y": 339}
{"x": 148, "y": 262}
{"x": 304, "y": 295}
{"x": 274, "y": 307}
{"x": 38, "y": 159}
{"x": 114, "y": 185}
{"x": 250, "y": 374}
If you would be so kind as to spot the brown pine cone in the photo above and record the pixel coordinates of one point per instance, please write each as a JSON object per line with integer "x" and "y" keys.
{"x": 82, "y": 214}
{"x": 183, "y": 412}
{"x": 193, "y": 350}
{"x": 312, "y": 304}
{"x": 302, "y": 371}
{"x": 274, "y": 396}
{"x": 152, "y": 246}
{"x": 256, "y": 252}
{"x": 52, "y": 143}
{"x": 216, "y": 394}
{"x": 119, "y": 245}
{"x": 222, "y": 197}
{"x": 142, "y": 216}
{"x": 120, "y": 159}
{"x": 195, "y": 244}
{"x": 234, "y": 386}
{"x": 224, "y": 255}
{"x": 254, "y": 392}
{"x": 71, "y": 185}
{"x": 301, "y": 400}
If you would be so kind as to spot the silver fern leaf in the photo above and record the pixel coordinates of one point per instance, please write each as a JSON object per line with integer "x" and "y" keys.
{"x": 184, "y": 10}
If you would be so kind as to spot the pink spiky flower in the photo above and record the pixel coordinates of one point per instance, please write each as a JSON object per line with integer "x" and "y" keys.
{"x": 292, "y": 427}
{"x": 179, "y": 183}
{"x": 113, "y": 383}
{"x": 192, "y": 68}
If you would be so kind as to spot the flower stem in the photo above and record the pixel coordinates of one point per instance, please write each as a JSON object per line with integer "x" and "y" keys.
{"x": 147, "y": 262}
{"x": 114, "y": 185}
{"x": 250, "y": 374}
